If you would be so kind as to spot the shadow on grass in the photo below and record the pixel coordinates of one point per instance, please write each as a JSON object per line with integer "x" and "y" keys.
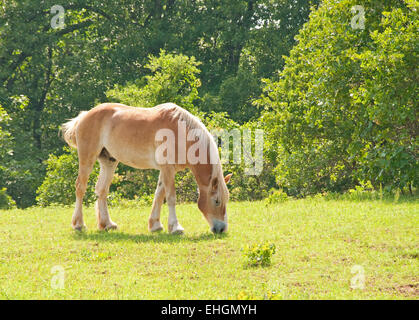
{"x": 114, "y": 236}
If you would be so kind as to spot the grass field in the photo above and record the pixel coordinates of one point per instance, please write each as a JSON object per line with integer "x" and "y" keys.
{"x": 318, "y": 243}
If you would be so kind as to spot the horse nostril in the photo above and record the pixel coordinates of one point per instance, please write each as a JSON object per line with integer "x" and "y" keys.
{"x": 219, "y": 227}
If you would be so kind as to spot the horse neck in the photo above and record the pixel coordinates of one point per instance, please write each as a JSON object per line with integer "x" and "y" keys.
{"x": 203, "y": 173}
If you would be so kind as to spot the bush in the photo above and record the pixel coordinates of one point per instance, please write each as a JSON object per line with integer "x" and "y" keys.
{"x": 276, "y": 196}
{"x": 116, "y": 199}
{"x": 6, "y": 201}
{"x": 243, "y": 187}
{"x": 132, "y": 183}
{"x": 259, "y": 254}
{"x": 173, "y": 79}
{"x": 59, "y": 184}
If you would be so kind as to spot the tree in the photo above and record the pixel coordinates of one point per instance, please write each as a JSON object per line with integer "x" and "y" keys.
{"x": 173, "y": 78}
{"x": 344, "y": 109}
{"x": 59, "y": 72}
{"x": 247, "y": 44}
{"x": 5, "y": 141}
{"x": 6, "y": 202}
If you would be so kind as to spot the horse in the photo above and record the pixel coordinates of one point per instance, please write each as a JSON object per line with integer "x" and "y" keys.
{"x": 112, "y": 132}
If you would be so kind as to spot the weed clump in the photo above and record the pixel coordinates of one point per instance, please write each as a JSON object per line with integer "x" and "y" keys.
{"x": 259, "y": 254}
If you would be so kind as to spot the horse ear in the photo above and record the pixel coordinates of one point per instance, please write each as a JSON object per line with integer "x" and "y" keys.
{"x": 227, "y": 178}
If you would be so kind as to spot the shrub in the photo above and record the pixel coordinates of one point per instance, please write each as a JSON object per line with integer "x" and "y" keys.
{"x": 276, "y": 196}
{"x": 6, "y": 201}
{"x": 173, "y": 79}
{"x": 132, "y": 183}
{"x": 60, "y": 179}
{"x": 116, "y": 199}
{"x": 259, "y": 254}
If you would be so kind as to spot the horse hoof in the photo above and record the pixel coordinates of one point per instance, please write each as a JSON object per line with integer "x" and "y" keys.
{"x": 156, "y": 227}
{"x": 112, "y": 226}
{"x": 79, "y": 228}
{"x": 176, "y": 230}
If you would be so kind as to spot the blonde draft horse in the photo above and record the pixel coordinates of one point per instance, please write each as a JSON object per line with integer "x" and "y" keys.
{"x": 113, "y": 133}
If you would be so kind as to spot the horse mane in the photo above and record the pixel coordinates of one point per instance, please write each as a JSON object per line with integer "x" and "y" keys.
{"x": 177, "y": 113}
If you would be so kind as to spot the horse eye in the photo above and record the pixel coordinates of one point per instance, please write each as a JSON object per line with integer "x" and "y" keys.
{"x": 217, "y": 202}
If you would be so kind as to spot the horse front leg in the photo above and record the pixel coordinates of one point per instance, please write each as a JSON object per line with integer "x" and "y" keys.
{"x": 154, "y": 223}
{"x": 168, "y": 178}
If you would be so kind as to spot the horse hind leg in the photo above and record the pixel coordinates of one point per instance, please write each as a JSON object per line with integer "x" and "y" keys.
{"x": 107, "y": 169}
{"x": 85, "y": 168}
{"x": 88, "y": 151}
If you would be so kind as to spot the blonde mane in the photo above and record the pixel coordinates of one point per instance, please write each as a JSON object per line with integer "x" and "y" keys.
{"x": 177, "y": 113}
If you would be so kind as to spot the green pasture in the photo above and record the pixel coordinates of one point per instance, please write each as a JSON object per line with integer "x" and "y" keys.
{"x": 321, "y": 246}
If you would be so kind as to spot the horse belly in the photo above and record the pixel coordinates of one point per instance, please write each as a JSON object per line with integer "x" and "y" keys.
{"x": 132, "y": 151}
{"x": 140, "y": 159}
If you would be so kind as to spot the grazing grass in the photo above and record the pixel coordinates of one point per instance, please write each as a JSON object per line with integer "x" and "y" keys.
{"x": 318, "y": 242}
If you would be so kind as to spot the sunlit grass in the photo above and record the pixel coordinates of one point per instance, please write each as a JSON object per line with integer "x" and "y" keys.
{"x": 317, "y": 244}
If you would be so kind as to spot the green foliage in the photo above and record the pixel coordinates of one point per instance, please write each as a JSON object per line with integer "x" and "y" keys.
{"x": 116, "y": 199}
{"x": 259, "y": 254}
{"x": 242, "y": 42}
{"x": 5, "y": 149}
{"x": 243, "y": 186}
{"x": 131, "y": 183}
{"x": 341, "y": 110}
{"x": 365, "y": 191}
{"x": 276, "y": 196}
{"x": 237, "y": 92}
{"x": 5, "y": 139}
{"x": 59, "y": 184}
{"x": 20, "y": 168}
{"x": 6, "y": 201}
{"x": 344, "y": 107}
{"x": 173, "y": 79}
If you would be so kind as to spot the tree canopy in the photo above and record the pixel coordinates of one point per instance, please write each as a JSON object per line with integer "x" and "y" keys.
{"x": 345, "y": 107}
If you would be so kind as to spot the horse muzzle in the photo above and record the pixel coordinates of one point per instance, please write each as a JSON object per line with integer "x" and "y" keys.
{"x": 219, "y": 226}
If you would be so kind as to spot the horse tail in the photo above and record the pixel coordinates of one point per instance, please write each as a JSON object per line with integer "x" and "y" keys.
{"x": 69, "y": 128}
